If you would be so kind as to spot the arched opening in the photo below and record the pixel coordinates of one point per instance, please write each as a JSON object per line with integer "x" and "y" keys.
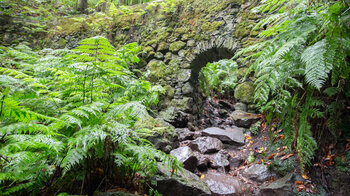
{"x": 201, "y": 102}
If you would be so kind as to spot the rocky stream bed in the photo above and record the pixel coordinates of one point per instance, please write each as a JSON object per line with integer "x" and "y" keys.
{"x": 215, "y": 156}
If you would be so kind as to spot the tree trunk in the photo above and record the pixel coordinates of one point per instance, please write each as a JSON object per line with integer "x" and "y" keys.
{"x": 83, "y": 4}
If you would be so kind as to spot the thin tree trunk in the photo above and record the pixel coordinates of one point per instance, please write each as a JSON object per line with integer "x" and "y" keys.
{"x": 83, "y": 5}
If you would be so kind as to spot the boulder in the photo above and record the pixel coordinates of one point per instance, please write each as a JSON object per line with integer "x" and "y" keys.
{"x": 185, "y": 156}
{"x": 163, "y": 135}
{"x": 233, "y": 135}
{"x": 225, "y": 185}
{"x": 244, "y": 119}
{"x": 182, "y": 183}
{"x": 280, "y": 187}
{"x": 258, "y": 172}
{"x": 206, "y": 145}
{"x": 241, "y": 106}
{"x": 203, "y": 161}
{"x": 219, "y": 160}
{"x": 184, "y": 134}
{"x": 235, "y": 161}
{"x": 245, "y": 92}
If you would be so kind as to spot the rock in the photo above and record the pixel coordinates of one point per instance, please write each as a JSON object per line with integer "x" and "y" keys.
{"x": 159, "y": 56}
{"x": 185, "y": 156}
{"x": 203, "y": 161}
{"x": 245, "y": 92}
{"x": 233, "y": 135}
{"x": 182, "y": 183}
{"x": 164, "y": 137}
{"x": 176, "y": 46}
{"x": 225, "y": 185}
{"x": 174, "y": 116}
{"x": 280, "y": 187}
{"x": 157, "y": 69}
{"x": 112, "y": 194}
{"x": 244, "y": 119}
{"x": 258, "y": 173}
{"x": 219, "y": 160}
{"x": 162, "y": 47}
{"x": 191, "y": 43}
{"x": 184, "y": 75}
{"x": 184, "y": 134}
{"x": 240, "y": 106}
{"x": 187, "y": 89}
{"x": 206, "y": 145}
{"x": 225, "y": 105}
{"x": 235, "y": 161}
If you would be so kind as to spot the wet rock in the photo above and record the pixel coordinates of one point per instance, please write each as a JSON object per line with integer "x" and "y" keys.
{"x": 203, "y": 161}
{"x": 184, "y": 75}
{"x": 159, "y": 56}
{"x": 176, "y": 46}
{"x": 186, "y": 156}
{"x": 280, "y": 187}
{"x": 244, "y": 119}
{"x": 174, "y": 116}
{"x": 233, "y": 135}
{"x": 187, "y": 89}
{"x": 235, "y": 161}
{"x": 182, "y": 183}
{"x": 225, "y": 105}
{"x": 112, "y": 194}
{"x": 206, "y": 145}
{"x": 257, "y": 172}
{"x": 225, "y": 185}
{"x": 184, "y": 134}
{"x": 241, "y": 106}
{"x": 219, "y": 160}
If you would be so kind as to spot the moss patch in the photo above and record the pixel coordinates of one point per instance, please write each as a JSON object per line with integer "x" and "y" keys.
{"x": 176, "y": 46}
{"x": 245, "y": 92}
{"x": 243, "y": 29}
{"x": 211, "y": 26}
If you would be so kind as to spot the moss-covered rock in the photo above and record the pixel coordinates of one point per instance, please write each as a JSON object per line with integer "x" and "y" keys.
{"x": 163, "y": 135}
{"x": 148, "y": 49}
{"x": 245, "y": 92}
{"x": 241, "y": 72}
{"x": 163, "y": 46}
{"x": 176, "y": 46}
{"x": 157, "y": 69}
{"x": 211, "y": 26}
{"x": 183, "y": 104}
{"x": 243, "y": 28}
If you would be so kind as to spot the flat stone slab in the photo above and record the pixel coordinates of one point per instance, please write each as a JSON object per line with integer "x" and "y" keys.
{"x": 182, "y": 183}
{"x": 206, "y": 145}
{"x": 224, "y": 185}
{"x": 233, "y": 135}
{"x": 258, "y": 173}
{"x": 244, "y": 119}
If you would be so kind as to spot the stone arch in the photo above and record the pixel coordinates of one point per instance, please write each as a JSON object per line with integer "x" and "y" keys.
{"x": 208, "y": 51}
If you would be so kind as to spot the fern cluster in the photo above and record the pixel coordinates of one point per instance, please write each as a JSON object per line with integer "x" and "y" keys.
{"x": 68, "y": 112}
{"x": 301, "y": 66}
{"x": 218, "y": 77}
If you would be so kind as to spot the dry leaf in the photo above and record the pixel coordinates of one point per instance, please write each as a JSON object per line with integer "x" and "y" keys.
{"x": 301, "y": 188}
{"x": 287, "y": 156}
{"x": 271, "y": 156}
{"x": 202, "y": 176}
{"x": 305, "y": 176}
{"x": 299, "y": 182}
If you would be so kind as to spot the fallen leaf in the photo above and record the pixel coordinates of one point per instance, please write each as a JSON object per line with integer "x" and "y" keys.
{"x": 248, "y": 137}
{"x": 202, "y": 176}
{"x": 301, "y": 188}
{"x": 305, "y": 176}
{"x": 299, "y": 182}
{"x": 287, "y": 156}
{"x": 271, "y": 156}
{"x": 251, "y": 141}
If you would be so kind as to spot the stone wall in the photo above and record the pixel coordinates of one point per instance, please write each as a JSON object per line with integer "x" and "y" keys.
{"x": 178, "y": 41}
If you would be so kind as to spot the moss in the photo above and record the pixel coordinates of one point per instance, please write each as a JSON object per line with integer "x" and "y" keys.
{"x": 157, "y": 69}
{"x": 183, "y": 104}
{"x": 184, "y": 37}
{"x": 211, "y": 26}
{"x": 248, "y": 41}
{"x": 243, "y": 29}
{"x": 163, "y": 46}
{"x": 241, "y": 72}
{"x": 176, "y": 46}
{"x": 245, "y": 92}
{"x": 169, "y": 91}
{"x": 157, "y": 36}
{"x": 148, "y": 49}
{"x": 181, "y": 30}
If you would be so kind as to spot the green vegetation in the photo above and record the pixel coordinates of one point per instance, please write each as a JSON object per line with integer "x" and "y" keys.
{"x": 67, "y": 114}
{"x": 302, "y": 70}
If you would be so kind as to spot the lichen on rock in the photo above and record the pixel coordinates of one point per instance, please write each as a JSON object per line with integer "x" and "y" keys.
{"x": 245, "y": 92}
